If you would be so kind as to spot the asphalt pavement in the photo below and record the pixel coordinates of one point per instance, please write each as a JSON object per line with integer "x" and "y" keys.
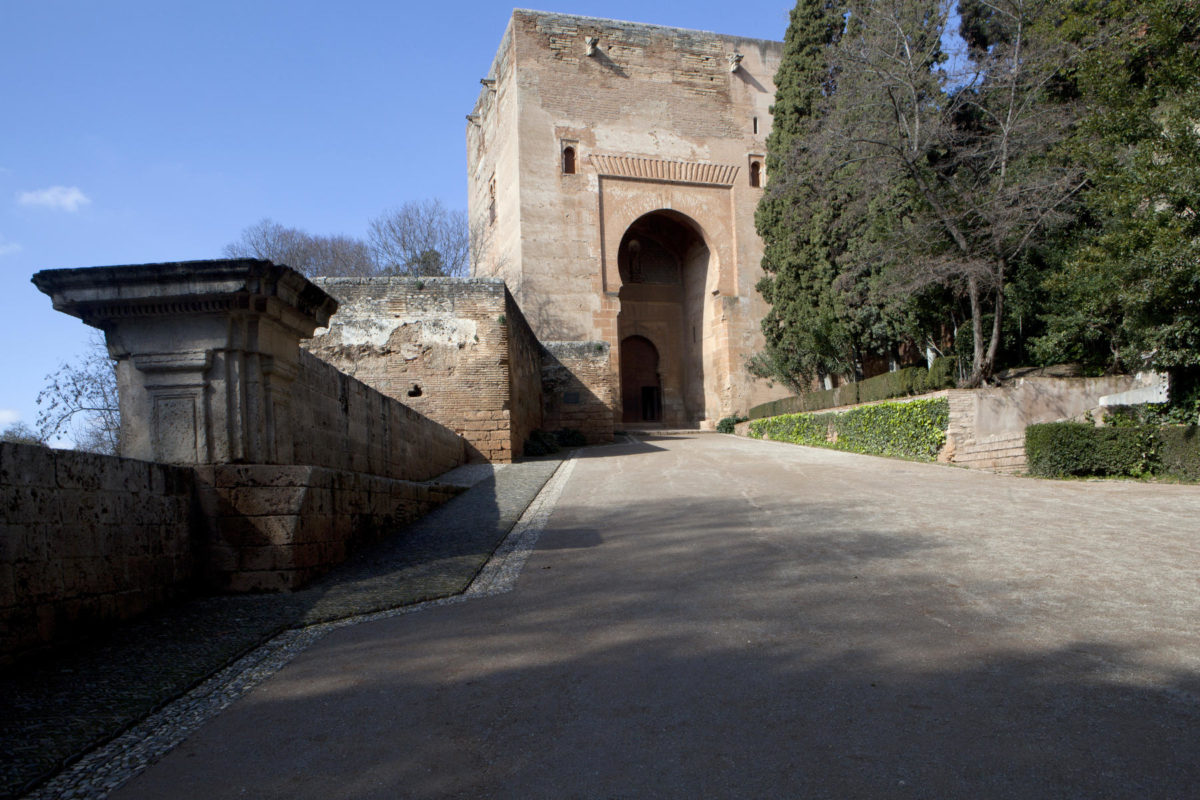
{"x": 708, "y": 616}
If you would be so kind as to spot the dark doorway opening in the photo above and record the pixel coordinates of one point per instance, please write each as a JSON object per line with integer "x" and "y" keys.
{"x": 641, "y": 386}
{"x": 651, "y": 404}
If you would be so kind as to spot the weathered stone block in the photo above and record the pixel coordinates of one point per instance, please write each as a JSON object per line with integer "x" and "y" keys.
{"x": 267, "y": 501}
{"x": 26, "y": 465}
{"x": 245, "y": 531}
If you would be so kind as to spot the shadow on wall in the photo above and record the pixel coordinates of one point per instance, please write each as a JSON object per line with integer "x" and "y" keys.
{"x": 576, "y": 389}
{"x": 55, "y": 705}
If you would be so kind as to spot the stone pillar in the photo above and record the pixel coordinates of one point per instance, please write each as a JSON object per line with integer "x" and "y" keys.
{"x": 206, "y": 352}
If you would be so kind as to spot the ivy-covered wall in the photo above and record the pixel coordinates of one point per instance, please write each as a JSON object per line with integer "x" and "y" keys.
{"x": 915, "y": 429}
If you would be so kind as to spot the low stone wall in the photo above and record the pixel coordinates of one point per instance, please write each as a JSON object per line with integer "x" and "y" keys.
{"x": 577, "y": 389}
{"x": 88, "y": 539}
{"x": 275, "y": 528}
{"x": 344, "y": 424}
{"x": 987, "y": 425}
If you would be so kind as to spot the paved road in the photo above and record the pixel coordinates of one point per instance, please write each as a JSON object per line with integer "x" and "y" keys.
{"x": 720, "y": 617}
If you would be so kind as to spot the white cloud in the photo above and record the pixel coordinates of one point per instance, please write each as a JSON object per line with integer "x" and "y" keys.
{"x": 8, "y": 416}
{"x": 8, "y": 247}
{"x": 63, "y": 198}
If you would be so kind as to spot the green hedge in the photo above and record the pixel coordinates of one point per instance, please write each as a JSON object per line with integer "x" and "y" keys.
{"x": 1179, "y": 451}
{"x": 727, "y": 424}
{"x": 901, "y": 383}
{"x": 915, "y": 429}
{"x": 1059, "y": 449}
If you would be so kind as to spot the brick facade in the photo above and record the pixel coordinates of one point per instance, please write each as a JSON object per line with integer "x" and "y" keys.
{"x": 457, "y": 350}
{"x": 573, "y": 147}
{"x": 577, "y": 389}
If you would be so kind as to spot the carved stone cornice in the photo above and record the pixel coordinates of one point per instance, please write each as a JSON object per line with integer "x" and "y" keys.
{"x": 100, "y": 294}
{"x": 657, "y": 169}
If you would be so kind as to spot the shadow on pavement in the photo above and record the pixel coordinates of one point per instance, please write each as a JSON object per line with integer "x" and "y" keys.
{"x": 55, "y": 708}
{"x": 711, "y": 661}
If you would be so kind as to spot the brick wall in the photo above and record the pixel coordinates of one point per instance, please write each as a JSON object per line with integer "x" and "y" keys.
{"x": 577, "y": 389}
{"x": 86, "y": 538}
{"x": 525, "y": 377}
{"x": 439, "y": 345}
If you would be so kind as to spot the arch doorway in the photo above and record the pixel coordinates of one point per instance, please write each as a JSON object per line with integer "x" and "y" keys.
{"x": 664, "y": 268}
{"x": 641, "y": 387}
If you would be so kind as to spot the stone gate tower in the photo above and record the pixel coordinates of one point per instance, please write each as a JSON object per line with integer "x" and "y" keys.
{"x": 614, "y": 171}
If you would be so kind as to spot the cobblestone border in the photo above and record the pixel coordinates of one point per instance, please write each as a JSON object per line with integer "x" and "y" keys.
{"x": 112, "y": 765}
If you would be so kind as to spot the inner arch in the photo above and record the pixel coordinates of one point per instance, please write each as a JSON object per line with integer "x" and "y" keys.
{"x": 663, "y": 261}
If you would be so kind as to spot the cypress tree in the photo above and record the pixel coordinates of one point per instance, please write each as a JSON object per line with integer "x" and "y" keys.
{"x": 804, "y": 336}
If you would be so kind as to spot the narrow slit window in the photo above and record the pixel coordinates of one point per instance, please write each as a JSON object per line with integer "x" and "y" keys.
{"x": 568, "y": 160}
{"x": 756, "y": 124}
{"x": 755, "y": 174}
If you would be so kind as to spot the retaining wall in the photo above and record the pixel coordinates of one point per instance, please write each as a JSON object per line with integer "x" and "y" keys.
{"x": 987, "y": 425}
{"x": 275, "y": 528}
{"x": 86, "y": 539}
{"x": 341, "y": 423}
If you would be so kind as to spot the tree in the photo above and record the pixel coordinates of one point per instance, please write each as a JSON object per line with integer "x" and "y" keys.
{"x": 80, "y": 400}
{"x": 421, "y": 239}
{"x": 974, "y": 156}
{"x": 1127, "y": 291}
{"x": 805, "y": 335}
{"x": 20, "y": 433}
{"x": 309, "y": 254}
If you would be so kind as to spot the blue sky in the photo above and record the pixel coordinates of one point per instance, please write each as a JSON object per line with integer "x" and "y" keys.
{"x": 134, "y": 132}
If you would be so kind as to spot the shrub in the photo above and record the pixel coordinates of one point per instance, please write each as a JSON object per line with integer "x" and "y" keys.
{"x": 540, "y": 443}
{"x": 569, "y": 437}
{"x": 1179, "y": 451}
{"x": 889, "y": 384}
{"x": 903, "y": 382}
{"x": 943, "y": 374}
{"x": 915, "y": 429}
{"x": 726, "y": 424}
{"x": 1059, "y": 449}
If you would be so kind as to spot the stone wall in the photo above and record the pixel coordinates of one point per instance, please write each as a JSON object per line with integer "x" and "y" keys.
{"x": 577, "y": 389}
{"x": 456, "y": 350}
{"x": 283, "y": 463}
{"x": 987, "y": 426}
{"x": 524, "y": 377}
{"x": 349, "y": 426}
{"x": 275, "y": 528}
{"x": 86, "y": 539}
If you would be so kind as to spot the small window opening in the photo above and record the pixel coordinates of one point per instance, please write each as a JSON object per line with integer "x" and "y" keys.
{"x": 755, "y": 174}
{"x": 756, "y": 124}
{"x": 415, "y": 391}
{"x": 568, "y": 161}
